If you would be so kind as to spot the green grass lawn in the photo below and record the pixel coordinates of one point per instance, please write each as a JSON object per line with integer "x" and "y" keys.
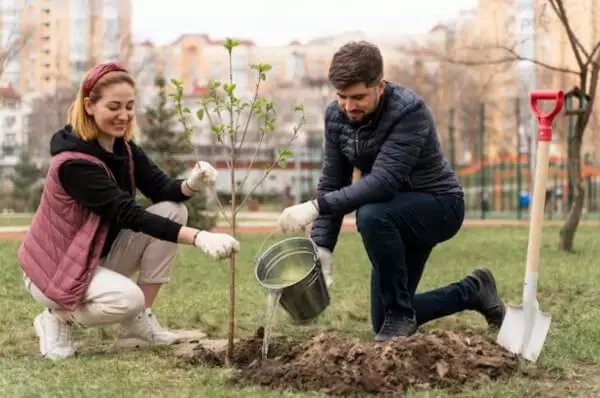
{"x": 13, "y": 220}
{"x": 197, "y": 297}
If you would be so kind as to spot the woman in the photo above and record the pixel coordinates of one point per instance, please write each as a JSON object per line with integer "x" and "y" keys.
{"x": 89, "y": 235}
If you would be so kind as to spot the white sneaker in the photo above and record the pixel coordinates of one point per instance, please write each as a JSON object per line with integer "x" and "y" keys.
{"x": 142, "y": 330}
{"x": 55, "y": 336}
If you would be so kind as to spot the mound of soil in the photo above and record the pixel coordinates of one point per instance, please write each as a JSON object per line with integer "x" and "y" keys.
{"x": 337, "y": 365}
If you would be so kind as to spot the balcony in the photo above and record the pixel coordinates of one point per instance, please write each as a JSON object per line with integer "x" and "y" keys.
{"x": 8, "y": 149}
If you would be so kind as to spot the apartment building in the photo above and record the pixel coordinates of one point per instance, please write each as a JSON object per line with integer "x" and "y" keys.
{"x": 49, "y": 45}
{"x": 54, "y": 42}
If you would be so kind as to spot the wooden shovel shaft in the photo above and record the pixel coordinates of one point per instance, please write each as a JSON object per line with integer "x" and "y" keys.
{"x": 537, "y": 207}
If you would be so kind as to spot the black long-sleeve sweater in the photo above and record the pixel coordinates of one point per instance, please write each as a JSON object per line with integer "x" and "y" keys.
{"x": 113, "y": 200}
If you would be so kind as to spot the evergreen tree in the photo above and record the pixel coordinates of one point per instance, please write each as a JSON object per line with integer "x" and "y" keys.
{"x": 24, "y": 177}
{"x": 162, "y": 142}
{"x": 166, "y": 147}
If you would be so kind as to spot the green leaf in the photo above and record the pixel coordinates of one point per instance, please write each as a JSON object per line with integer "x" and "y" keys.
{"x": 230, "y": 44}
{"x": 213, "y": 85}
{"x": 229, "y": 88}
{"x": 200, "y": 114}
{"x": 263, "y": 68}
{"x": 283, "y": 155}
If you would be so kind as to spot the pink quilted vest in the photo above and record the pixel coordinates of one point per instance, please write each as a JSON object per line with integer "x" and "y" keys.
{"x": 63, "y": 244}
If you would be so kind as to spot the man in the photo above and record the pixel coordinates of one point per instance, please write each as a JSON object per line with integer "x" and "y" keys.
{"x": 407, "y": 200}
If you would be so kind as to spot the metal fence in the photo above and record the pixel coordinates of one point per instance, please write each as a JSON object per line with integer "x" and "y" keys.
{"x": 496, "y": 189}
{"x": 502, "y": 189}
{"x": 501, "y": 186}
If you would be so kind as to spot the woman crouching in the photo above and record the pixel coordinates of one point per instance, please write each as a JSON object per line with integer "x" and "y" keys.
{"x": 89, "y": 236}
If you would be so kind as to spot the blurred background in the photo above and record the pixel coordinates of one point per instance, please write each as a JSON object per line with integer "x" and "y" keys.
{"x": 474, "y": 62}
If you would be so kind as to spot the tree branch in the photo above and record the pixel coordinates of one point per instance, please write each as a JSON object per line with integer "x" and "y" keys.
{"x": 14, "y": 44}
{"x": 575, "y": 43}
{"x": 512, "y": 57}
{"x": 592, "y": 58}
{"x": 268, "y": 170}
{"x": 251, "y": 112}
{"x": 595, "y": 75}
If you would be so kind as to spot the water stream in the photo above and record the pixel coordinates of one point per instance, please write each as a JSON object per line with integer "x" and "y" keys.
{"x": 273, "y": 297}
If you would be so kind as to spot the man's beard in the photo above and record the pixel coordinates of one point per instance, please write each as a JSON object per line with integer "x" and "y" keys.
{"x": 362, "y": 115}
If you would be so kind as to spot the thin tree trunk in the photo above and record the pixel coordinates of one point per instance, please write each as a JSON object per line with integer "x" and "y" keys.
{"x": 568, "y": 229}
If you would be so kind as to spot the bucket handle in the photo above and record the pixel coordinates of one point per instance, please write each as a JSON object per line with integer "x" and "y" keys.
{"x": 269, "y": 236}
{"x": 264, "y": 242}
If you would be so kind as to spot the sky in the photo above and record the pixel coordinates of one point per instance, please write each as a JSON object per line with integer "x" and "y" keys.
{"x": 273, "y": 22}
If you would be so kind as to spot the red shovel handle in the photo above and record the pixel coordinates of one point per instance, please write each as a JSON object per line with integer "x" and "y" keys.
{"x": 545, "y": 119}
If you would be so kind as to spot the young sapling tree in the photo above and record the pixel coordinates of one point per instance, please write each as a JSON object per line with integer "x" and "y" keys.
{"x": 229, "y": 117}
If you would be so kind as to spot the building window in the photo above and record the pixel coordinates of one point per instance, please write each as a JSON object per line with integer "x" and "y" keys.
{"x": 9, "y": 121}
{"x": 9, "y": 144}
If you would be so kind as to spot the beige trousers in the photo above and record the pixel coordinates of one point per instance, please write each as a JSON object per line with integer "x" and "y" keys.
{"x": 112, "y": 295}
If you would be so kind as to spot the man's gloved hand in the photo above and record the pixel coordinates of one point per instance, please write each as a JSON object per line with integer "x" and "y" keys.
{"x": 203, "y": 174}
{"x": 296, "y": 217}
{"x": 218, "y": 246}
{"x": 326, "y": 259}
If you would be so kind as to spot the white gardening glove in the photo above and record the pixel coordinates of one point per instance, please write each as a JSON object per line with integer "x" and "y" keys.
{"x": 203, "y": 174}
{"x": 295, "y": 218}
{"x": 326, "y": 259}
{"x": 216, "y": 245}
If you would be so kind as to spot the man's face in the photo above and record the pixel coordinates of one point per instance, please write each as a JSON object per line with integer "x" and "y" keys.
{"x": 359, "y": 100}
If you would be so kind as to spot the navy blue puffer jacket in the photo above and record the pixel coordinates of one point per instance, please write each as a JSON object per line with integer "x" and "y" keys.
{"x": 396, "y": 150}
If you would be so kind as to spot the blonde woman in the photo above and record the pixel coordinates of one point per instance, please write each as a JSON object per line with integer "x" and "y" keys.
{"x": 89, "y": 236}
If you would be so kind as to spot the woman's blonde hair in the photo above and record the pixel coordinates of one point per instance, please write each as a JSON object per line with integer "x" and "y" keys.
{"x": 92, "y": 85}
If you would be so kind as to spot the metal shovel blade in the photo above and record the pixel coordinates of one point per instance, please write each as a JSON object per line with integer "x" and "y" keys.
{"x": 524, "y": 330}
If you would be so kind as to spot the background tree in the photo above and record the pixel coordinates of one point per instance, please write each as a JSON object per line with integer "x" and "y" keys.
{"x": 24, "y": 177}
{"x": 168, "y": 147}
{"x": 554, "y": 20}
{"x": 14, "y": 44}
{"x": 161, "y": 138}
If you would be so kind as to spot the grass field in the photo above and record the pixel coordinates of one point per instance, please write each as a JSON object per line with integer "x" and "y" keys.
{"x": 12, "y": 220}
{"x": 197, "y": 297}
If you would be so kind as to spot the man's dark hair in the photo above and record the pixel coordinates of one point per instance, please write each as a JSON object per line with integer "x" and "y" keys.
{"x": 354, "y": 63}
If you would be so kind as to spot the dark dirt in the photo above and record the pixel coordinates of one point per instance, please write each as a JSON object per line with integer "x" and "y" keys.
{"x": 343, "y": 366}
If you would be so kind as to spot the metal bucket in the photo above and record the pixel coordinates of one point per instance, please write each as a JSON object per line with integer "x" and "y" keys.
{"x": 304, "y": 296}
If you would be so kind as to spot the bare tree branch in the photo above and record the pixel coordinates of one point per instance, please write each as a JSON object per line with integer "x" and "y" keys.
{"x": 15, "y": 43}
{"x": 574, "y": 41}
{"x": 593, "y": 56}
{"x": 511, "y": 57}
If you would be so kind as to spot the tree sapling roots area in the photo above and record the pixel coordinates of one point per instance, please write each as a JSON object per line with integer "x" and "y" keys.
{"x": 346, "y": 366}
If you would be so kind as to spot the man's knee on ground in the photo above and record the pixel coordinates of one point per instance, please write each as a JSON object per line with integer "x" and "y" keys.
{"x": 177, "y": 212}
{"x": 371, "y": 216}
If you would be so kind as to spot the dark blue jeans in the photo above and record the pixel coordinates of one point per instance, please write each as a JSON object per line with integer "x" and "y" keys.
{"x": 399, "y": 236}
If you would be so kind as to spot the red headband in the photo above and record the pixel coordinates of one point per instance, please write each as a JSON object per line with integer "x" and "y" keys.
{"x": 97, "y": 72}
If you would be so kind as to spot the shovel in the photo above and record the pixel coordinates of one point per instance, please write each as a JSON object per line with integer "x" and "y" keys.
{"x": 525, "y": 327}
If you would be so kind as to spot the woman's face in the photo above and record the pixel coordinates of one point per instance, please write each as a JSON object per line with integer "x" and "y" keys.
{"x": 114, "y": 111}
